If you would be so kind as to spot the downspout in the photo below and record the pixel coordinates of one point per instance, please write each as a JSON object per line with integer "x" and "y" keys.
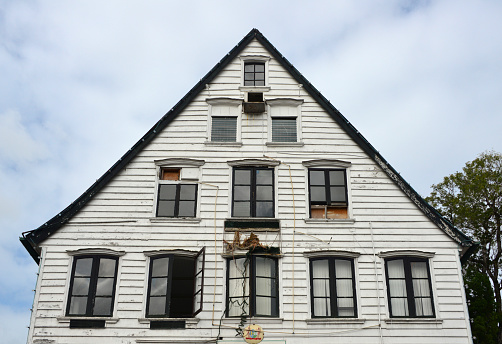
{"x": 377, "y": 282}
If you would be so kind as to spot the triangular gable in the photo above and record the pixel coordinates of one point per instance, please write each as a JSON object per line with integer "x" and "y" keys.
{"x": 32, "y": 238}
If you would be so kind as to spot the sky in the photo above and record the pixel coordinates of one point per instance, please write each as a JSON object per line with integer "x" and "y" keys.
{"x": 82, "y": 81}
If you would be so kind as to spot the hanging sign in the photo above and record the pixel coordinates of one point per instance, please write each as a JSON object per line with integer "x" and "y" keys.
{"x": 253, "y": 334}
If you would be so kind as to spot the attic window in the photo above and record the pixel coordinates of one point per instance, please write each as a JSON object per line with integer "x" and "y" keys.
{"x": 255, "y": 97}
{"x": 254, "y": 74}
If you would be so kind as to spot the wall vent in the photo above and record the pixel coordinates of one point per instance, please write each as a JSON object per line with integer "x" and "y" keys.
{"x": 255, "y": 103}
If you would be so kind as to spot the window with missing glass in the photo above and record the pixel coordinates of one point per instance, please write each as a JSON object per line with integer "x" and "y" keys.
{"x": 175, "y": 198}
{"x": 328, "y": 193}
{"x": 175, "y": 285}
{"x": 252, "y": 287}
{"x": 254, "y": 74}
{"x": 253, "y": 192}
{"x": 284, "y": 129}
{"x": 92, "y": 286}
{"x": 409, "y": 288}
{"x": 332, "y": 285}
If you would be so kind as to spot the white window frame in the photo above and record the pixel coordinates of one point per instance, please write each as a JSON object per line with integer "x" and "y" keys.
{"x": 224, "y": 107}
{"x": 293, "y": 107}
{"x": 255, "y": 58}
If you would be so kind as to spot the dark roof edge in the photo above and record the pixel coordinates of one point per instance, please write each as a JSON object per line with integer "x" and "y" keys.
{"x": 429, "y": 211}
{"x": 36, "y": 236}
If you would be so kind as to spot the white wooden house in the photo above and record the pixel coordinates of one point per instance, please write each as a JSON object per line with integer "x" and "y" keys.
{"x": 252, "y": 201}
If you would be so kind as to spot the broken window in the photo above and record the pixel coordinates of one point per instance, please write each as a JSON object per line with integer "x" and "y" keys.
{"x": 328, "y": 193}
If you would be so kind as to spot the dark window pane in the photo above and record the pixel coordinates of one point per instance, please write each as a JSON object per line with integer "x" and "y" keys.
{"x": 224, "y": 129}
{"x": 264, "y": 177}
{"x": 317, "y": 178}
{"x": 102, "y": 306}
{"x": 242, "y": 209}
{"x": 167, "y": 191}
{"x": 187, "y": 192}
{"x": 336, "y": 177}
{"x": 107, "y": 267}
{"x": 318, "y": 194}
{"x": 337, "y": 194}
{"x": 186, "y": 209}
{"x": 264, "y": 193}
{"x": 158, "y": 286}
{"x": 160, "y": 267}
{"x": 166, "y": 208}
{"x": 242, "y": 193}
{"x": 242, "y": 177}
{"x": 83, "y": 267}
{"x": 78, "y": 305}
{"x": 80, "y": 286}
{"x": 104, "y": 286}
{"x": 157, "y": 306}
{"x": 264, "y": 209}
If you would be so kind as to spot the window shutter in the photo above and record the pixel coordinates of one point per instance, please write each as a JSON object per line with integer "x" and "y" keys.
{"x": 224, "y": 129}
{"x": 284, "y": 130}
{"x": 200, "y": 261}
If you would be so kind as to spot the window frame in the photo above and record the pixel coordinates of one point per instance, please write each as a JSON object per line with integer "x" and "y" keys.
{"x": 253, "y": 199}
{"x": 92, "y": 287}
{"x": 333, "y": 296}
{"x": 177, "y": 198}
{"x": 327, "y": 186}
{"x": 252, "y": 278}
{"x": 410, "y": 297}
{"x": 168, "y": 297}
{"x": 224, "y": 107}
{"x": 284, "y": 108}
{"x": 248, "y": 59}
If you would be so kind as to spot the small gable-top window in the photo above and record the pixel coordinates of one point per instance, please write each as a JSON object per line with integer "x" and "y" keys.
{"x": 328, "y": 193}
{"x": 254, "y": 74}
{"x": 284, "y": 129}
{"x": 224, "y": 129}
{"x": 92, "y": 286}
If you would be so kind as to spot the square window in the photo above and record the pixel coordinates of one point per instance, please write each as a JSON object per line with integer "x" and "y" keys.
{"x": 175, "y": 286}
{"x": 332, "y": 286}
{"x": 224, "y": 129}
{"x": 409, "y": 288}
{"x": 254, "y": 74}
{"x": 328, "y": 193}
{"x": 253, "y": 192}
{"x": 252, "y": 287}
{"x": 92, "y": 286}
{"x": 284, "y": 129}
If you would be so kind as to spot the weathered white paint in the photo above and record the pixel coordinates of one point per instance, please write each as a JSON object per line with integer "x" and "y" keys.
{"x": 120, "y": 218}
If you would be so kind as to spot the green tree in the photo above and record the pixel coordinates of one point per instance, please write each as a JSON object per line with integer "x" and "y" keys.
{"x": 472, "y": 201}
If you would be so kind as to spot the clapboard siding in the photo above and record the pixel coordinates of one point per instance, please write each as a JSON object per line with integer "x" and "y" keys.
{"x": 121, "y": 217}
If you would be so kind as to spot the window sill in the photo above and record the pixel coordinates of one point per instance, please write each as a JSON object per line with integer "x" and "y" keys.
{"x": 261, "y": 320}
{"x": 285, "y": 144}
{"x": 67, "y": 319}
{"x": 254, "y": 88}
{"x": 416, "y": 321}
{"x": 227, "y": 144}
{"x": 338, "y": 321}
{"x": 190, "y": 322}
{"x": 266, "y": 224}
{"x": 309, "y": 220}
{"x": 175, "y": 219}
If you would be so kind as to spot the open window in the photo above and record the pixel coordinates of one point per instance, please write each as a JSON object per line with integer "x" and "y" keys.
{"x": 252, "y": 287}
{"x": 175, "y": 285}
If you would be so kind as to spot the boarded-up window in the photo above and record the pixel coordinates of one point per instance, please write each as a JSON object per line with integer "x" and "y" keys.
{"x": 284, "y": 129}
{"x": 328, "y": 193}
{"x": 224, "y": 129}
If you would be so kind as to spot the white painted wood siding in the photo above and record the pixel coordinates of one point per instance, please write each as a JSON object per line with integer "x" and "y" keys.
{"x": 120, "y": 217}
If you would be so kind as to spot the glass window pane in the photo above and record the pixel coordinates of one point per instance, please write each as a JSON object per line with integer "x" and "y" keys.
{"x": 186, "y": 209}
{"x": 317, "y": 194}
{"x": 102, "y": 306}
{"x": 238, "y": 306}
{"x": 107, "y": 267}
{"x": 83, "y": 267}
{"x": 238, "y": 268}
{"x": 259, "y": 67}
{"x": 248, "y": 83}
{"x": 249, "y": 68}
{"x": 242, "y": 193}
{"x": 343, "y": 268}
{"x": 78, "y": 305}
{"x": 344, "y": 288}
{"x": 242, "y": 177}
{"x": 264, "y": 177}
{"x": 264, "y": 193}
{"x": 160, "y": 267}
{"x": 322, "y": 307}
{"x": 166, "y": 208}
{"x": 259, "y": 83}
{"x": 399, "y": 307}
{"x": 421, "y": 287}
{"x": 105, "y": 286}
{"x": 259, "y": 76}
{"x": 423, "y": 307}
{"x": 264, "y": 209}
{"x": 336, "y": 177}
{"x": 167, "y": 191}
{"x": 249, "y": 76}
{"x": 419, "y": 270}
{"x": 265, "y": 267}
{"x": 242, "y": 209}
{"x": 157, "y": 306}
{"x": 345, "y": 307}
{"x": 317, "y": 178}
{"x": 338, "y": 194}
{"x": 321, "y": 288}
{"x": 320, "y": 268}
{"x": 158, "y": 286}
{"x": 187, "y": 192}
{"x": 395, "y": 268}
{"x": 264, "y": 306}
{"x": 80, "y": 286}
{"x": 238, "y": 287}
{"x": 397, "y": 288}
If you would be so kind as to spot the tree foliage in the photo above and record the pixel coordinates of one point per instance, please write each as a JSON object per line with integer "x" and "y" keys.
{"x": 472, "y": 200}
